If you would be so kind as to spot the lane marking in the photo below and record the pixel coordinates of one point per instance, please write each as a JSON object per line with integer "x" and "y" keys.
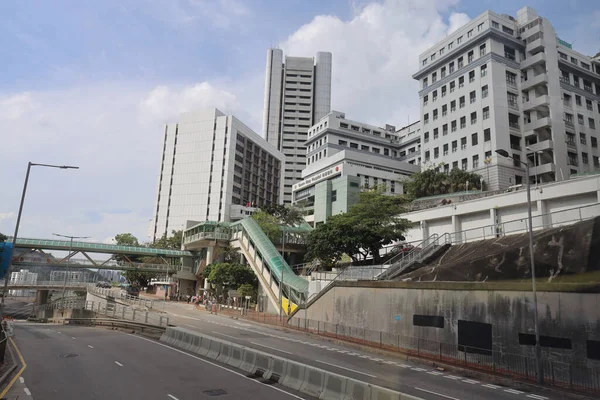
{"x": 73, "y": 337}
{"x": 513, "y": 391}
{"x": 27, "y": 392}
{"x": 90, "y": 346}
{"x": 490, "y": 386}
{"x": 272, "y": 348}
{"x": 13, "y": 380}
{"x": 435, "y": 373}
{"x": 404, "y": 366}
{"x": 347, "y": 369}
{"x": 471, "y": 381}
{"x": 217, "y": 365}
{"x": 173, "y": 397}
{"x": 231, "y": 337}
{"x": 436, "y": 393}
{"x": 535, "y": 396}
{"x": 118, "y": 363}
{"x": 21, "y": 379}
{"x": 452, "y": 377}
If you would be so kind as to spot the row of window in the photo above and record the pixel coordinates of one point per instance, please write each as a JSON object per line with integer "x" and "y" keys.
{"x": 470, "y": 33}
{"x": 463, "y": 145}
{"x": 452, "y": 85}
{"x": 462, "y": 104}
{"x": 451, "y": 66}
{"x": 567, "y": 102}
{"x": 569, "y": 120}
{"x": 573, "y": 159}
{"x": 578, "y": 82}
{"x": 316, "y": 129}
{"x": 571, "y": 141}
{"x": 582, "y": 64}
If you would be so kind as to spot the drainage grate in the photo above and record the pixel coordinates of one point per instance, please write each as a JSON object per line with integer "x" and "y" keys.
{"x": 68, "y": 355}
{"x": 214, "y": 392}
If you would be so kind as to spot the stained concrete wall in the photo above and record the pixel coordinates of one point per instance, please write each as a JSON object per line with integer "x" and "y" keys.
{"x": 390, "y": 309}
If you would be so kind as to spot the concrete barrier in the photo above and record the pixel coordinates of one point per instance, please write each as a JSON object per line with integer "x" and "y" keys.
{"x": 226, "y": 352}
{"x": 294, "y": 375}
{"x": 195, "y": 344}
{"x": 263, "y": 364}
{"x": 334, "y": 388}
{"x": 357, "y": 390}
{"x": 214, "y": 349}
{"x": 277, "y": 370}
{"x": 204, "y": 345}
{"x": 237, "y": 352}
{"x": 248, "y": 360}
{"x": 314, "y": 380}
{"x": 380, "y": 393}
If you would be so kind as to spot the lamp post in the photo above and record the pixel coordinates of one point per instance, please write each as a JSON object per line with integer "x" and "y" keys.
{"x": 14, "y": 239}
{"x": 538, "y": 351}
{"x": 281, "y": 280}
{"x": 68, "y": 258}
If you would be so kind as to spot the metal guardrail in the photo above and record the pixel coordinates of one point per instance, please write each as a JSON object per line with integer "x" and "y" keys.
{"x": 123, "y": 296}
{"x": 115, "y": 324}
{"x": 45, "y": 284}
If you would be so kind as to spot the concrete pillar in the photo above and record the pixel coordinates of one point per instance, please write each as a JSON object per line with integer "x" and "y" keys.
{"x": 425, "y": 229}
{"x": 456, "y": 229}
{"x": 41, "y": 297}
{"x": 210, "y": 253}
{"x": 546, "y": 221}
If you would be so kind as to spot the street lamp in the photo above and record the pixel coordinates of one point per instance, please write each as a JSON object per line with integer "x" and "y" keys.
{"x": 69, "y": 258}
{"x": 538, "y": 351}
{"x": 14, "y": 240}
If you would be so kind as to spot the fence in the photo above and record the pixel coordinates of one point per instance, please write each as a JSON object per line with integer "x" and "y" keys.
{"x": 121, "y": 295}
{"x": 574, "y": 377}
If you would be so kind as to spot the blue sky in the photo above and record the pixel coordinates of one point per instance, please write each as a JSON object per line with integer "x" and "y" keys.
{"x": 92, "y": 83}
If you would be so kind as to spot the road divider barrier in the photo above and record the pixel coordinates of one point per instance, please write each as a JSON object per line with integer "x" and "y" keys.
{"x": 307, "y": 379}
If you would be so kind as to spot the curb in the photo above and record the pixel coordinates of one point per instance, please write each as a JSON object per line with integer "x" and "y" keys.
{"x": 11, "y": 369}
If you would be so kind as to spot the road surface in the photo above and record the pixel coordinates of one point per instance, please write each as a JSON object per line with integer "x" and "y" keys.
{"x": 389, "y": 371}
{"x": 69, "y": 362}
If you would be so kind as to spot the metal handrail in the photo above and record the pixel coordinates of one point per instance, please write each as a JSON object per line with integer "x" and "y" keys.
{"x": 426, "y": 251}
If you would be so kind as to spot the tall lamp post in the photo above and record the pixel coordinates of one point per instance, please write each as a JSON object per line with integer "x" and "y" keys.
{"x": 68, "y": 258}
{"x": 538, "y": 351}
{"x": 14, "y": 239}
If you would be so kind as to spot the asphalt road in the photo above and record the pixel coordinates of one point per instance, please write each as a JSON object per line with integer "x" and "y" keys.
{"x": 392, "y": 372}
{"x": 68, "y": 362}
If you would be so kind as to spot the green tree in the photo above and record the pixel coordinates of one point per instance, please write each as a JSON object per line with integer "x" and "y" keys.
{"x": 126, "y": 239}
{"x": 248, "y": 289}
{"x": 428, "y": 182}
{"x": 290, "y": 216}
{"x": 269, "y": 224}
{"x": 3, "y": 237}
{"x": 139, "y": 278}
{"x": 371, "y": 223}
{"x": 229, "y": 254}
{"x": 172, "y": 242}
{"x": 230, "y": 276}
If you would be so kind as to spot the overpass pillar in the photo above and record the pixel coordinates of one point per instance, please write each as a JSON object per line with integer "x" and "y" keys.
{"x": 41, "y": 297}
{"x": 210, "y": 253}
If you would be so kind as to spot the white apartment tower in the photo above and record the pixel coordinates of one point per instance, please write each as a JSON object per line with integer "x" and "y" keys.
{"x": 505, "y": 83}
{"x": 215, "y": 168}
{"x": 297, "y": 94}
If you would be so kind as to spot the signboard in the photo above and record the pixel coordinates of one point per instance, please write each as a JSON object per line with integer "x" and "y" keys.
{"x": 327, "y": 174}
{"x": 5, "y": 255}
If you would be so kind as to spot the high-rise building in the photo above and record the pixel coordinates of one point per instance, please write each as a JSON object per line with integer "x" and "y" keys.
{"x": 297, "y": 94}
{"x": 213, "y": 167}
{"x": 509, "y": 83}
{"x": 345, "y": 157}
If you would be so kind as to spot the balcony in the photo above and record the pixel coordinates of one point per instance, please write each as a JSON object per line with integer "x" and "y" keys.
{"x": 534, "y": 81}
{"x": 532, "y": 104}
{"x": 535, "y": 46}
{"x": 514, "y": 126}
{"x": 533, "y": 60}
{"x": 543, "y": 169}
{"x": 541, "y": 146}
{"x": 571, "y": 143}
{"x": 538, "y": 124}
{"x": 569, "y": 122}
{"x": 513, "y": 104}
{"x": 515, "y": 146}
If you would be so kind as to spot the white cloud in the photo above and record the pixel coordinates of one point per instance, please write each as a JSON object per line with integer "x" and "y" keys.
{"x": 13, "y": 107}
{"x": 375, "y": 54}
{"x": 7, "y": 216}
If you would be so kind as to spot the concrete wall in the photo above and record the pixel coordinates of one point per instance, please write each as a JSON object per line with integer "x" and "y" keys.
{"x": 390, "y": 309}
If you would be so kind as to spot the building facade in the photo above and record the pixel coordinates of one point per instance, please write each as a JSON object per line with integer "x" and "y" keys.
{"x": 23, "y": 277}
{"x": 214, "y": 168}
{"x": 297, "y": 93}
{"x": 505, "y": 83}
{"x": 345, "y": 157}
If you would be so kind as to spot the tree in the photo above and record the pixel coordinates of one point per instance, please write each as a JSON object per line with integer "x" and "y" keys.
{"x": 247, "y": 290}
{"x": 229, "y": 254}
{"x": 230, "y": 276}
{"x": 172, "y": 242}
{"x": 369, "y": 224}
{"x": 3, "y": 237}
{"x": 269, "y": 224}
{"x": 126, "y": 239}
{"x": 290, "y": 216}
{"x": 431, "y": 183}
{"x": 139, "y": 278}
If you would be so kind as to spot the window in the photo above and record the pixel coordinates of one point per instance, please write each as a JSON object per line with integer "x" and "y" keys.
{"x": 578, "y": 100}
{"x": 453, "y": 106}
{"x": 444, "y": 110}
{"x": 584, "y": 158}
{"x": 471, "y": 76}
{"x": 454, "y": 146}
{"x": 451, "y": 67}
{"x": 426, "y": 137}
{"x": 472, "y": 97}
{"x": 425, "y": 100}
{"x": 585, "y": 66}
{"x": 446, "y": 149}
{"x": 459, "y": 40}
{"x": 475, "y": 161}
{"x": 441, "y": 51}
{"x": 464, "y": 164}
{"x": 424, "y": 83}
{"x": 488, "y": 155}
{"x": 574, "y": 60}
{"x": 596, "y": 161}
{"x": 594, "y": 142}
{"x": 588, "y": 105}
{"x": 432, "y": 57}
{"x": 563, "y": 56}
{"x": 435, "y": 114}
{"x": 473, "y": 118}
{"x": 474, "y": 139}
{"x": 470, "y": 33}
{"x": 386, "y": 152}
{"x": 495, "y": 25}
{"x": 333, "y": 195}
{"x": 512, "y": 100}
{"x": 426, "y": 119}
{"x": 376, "y": 150}
{"x": 484, "y": 92}
{"x": 487, "y": 136}
{"x": 444, "y": 91}
{"x": 592, "y": 123}
{"x": 582, "y": 138}
{"x": 483, "y": 70}
{"x": 461, "y": 81}
{"x": 434, "y": 77}
{"x": 507, "y": 30}
{"x": 480, "y": 27}
{"x": 482, "y": 50}
{"x": 444, "y": 129}
{"x": 436, "y": 152}
{"x": 435, "y": 133}
{"x": 443, "y": 73}
{"x": 511, "y": 79}
{"x": 486, "y": 113}
{"x": 342, "y": 143}
{"x": 427, "y": 156}
{"x": 461, "y": 101}
{"x": 459, "y": 63}
{"x": 446, "y": 168}
{"x": 452, "y": 85}
{"x": 453, "y": 126}
{"x": 455, "y": 165}
{"x": 463, "y": 143}
{"x": 580, "y": 119}
{"x": 364, "y": 147}
{"x": 434, "y": 95}
{"x": 463, "y": 122}
{"x": 354, "y": 145}
{"x": 450, "y": 45}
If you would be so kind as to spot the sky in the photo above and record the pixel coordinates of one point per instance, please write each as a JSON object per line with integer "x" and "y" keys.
{"x": 92, "y": 83}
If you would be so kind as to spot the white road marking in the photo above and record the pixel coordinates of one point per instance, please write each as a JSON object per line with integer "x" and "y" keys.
{"x": 452, "y": 377}
{"x": 216, "y": 365}
{"x": 490, "y": 386}
{"x": 347, "y": 369}
{"x": 73, "y": 337}
{"x": 173, "y": 397}
{"x": 405, "y": 366}
{"x": 535, "y": 396}
{"x": 391, "y": 362}
{"x": 59, "y": 332}
{"x": 27, "y": 392}
{"x": 471, "y": 381}
{"x": 436, "y": 393}
{"x": 229, "y": 336}
{"x": 272, "y": 348}
{"x": 419, "y": 369}
{"x": 435, "y": 373}
{"x": 21, "y": 379}
{"x": 513, "y": 391}
{"x": 118, "y": 363}
{"x": 90, "y": 346}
